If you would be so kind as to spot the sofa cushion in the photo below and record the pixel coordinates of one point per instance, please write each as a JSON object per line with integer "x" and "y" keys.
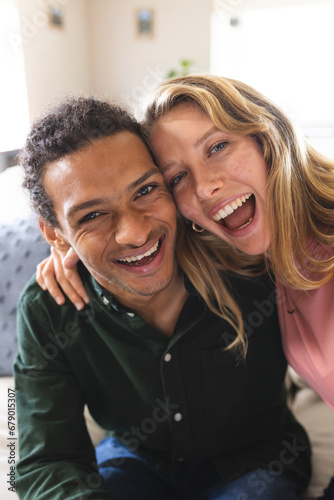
{"x": 22, "y": 246}
{"x": 318, "y": 420}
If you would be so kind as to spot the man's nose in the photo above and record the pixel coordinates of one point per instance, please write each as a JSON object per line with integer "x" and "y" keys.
{"x": 132, "y": 228}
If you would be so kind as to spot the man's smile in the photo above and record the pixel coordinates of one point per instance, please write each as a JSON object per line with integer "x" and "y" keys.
{"x": 142, "y": 259}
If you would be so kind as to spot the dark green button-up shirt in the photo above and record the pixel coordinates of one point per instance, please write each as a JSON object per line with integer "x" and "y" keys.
{"x": 168, "y": 399}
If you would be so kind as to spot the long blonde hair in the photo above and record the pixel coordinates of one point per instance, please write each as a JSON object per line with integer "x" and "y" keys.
{"x": 203, "y": 257}
{"x": 300, "y": 187}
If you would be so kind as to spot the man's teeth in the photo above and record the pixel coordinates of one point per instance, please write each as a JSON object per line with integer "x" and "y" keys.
{"x": 139, "y": 257}
{"x": 231, "y": 207}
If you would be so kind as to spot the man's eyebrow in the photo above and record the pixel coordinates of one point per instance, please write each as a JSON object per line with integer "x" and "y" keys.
{"x": 207, "y": 134}
{"x": 98, "y": 201}
{"x": 143, "y": 178}
{"x": 86, "y": 204}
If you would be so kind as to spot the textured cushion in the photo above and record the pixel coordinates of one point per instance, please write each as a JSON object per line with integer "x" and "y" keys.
{"x": 318, "y": 420}
{"x": 14, "y": 201}
{"x": 22, "y": 246}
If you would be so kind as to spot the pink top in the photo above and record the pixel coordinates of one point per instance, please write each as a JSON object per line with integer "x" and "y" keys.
{"x": 308, "y": 333}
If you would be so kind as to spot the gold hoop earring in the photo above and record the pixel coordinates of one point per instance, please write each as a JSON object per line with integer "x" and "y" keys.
{"x": 196, "y": 228}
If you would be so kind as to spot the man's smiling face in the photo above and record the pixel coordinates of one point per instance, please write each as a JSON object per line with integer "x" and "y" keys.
{"x": 113, "y": 208}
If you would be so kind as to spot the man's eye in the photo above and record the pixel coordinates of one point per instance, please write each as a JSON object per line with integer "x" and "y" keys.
{"x": 176, "y": 179}
{"x": 145, "y": 190}
{"x": 90, "y": 216}
{"x": 218, "y": 147}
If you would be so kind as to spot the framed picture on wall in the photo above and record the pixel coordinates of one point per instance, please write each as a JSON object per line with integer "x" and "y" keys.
{"x": 144, "y": 23}
{"x": 56, "y": 17}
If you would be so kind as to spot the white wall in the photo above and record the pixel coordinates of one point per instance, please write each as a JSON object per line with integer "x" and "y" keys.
{"x": 232, "y": 5}
{"x": 98, "y": 49}
{"x": 126, "y": 67}
{"x": 286, "y": 52}
{"x": 57, "y": 61}
{"x": 14, "y": 121}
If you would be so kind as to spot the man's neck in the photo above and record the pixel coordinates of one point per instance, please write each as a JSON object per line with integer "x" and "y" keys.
{"x": 160, "y": 310}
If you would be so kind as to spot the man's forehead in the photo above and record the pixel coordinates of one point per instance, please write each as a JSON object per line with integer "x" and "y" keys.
{"x": 115, "y": 151}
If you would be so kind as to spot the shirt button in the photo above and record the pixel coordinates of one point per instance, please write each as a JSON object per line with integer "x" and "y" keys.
{"x": 178, "y": 417}
{"x": 105, "y": 300}
{"x": 167, "y": 357}
{"x": 130, "y": 314}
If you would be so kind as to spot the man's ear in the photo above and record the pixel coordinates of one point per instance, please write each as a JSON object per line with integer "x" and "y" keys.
{"x": 53, "y": 236}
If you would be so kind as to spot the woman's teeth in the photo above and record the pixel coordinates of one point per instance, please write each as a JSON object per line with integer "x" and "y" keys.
{"x": 139, "y": 257}
{"x": 231, "y": 207}
{"x": 248, "y": 222}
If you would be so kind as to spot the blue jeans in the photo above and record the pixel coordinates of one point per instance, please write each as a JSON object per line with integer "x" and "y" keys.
{"x": 329, "y": 491}
{"x": 130, "y": 477}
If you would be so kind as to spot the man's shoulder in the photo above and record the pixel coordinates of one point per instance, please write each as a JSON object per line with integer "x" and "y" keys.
{"x": 38, "y": 313}
{"x": 250, "y": 284}
{"x": 36, "y": 304}
{"x": 32, "y": 292}
{"x": 250, "y": 291}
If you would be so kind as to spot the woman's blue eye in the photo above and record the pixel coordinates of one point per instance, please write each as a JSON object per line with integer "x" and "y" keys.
{"x": 218, "y": 147}
{"x": 176, "y": 180}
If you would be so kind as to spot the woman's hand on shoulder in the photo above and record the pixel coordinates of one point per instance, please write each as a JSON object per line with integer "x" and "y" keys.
{"x": 61, "y": 269}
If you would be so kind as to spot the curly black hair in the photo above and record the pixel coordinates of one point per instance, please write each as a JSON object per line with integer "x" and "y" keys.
{"x": 67, "y": 128}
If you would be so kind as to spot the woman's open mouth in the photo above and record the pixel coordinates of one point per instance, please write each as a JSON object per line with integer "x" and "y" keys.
{"x": 144, "y": 259}
{"x": 237, "y": 214}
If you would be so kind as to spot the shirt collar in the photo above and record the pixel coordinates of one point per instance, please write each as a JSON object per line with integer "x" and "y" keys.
{"x": 97, "y": 291}
{"x": 105, "y": 297}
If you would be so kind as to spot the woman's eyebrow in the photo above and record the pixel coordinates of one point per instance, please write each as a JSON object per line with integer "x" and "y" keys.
{"x": 165, "y": 168}
{"x": 210, "y": 131}
{"x": 206, "y": 134}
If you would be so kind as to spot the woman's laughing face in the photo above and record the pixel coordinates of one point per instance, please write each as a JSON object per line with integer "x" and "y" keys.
{"x": 218, "y": 179}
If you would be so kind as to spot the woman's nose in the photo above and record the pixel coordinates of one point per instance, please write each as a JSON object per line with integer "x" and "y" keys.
{"x": 206, "y": 185}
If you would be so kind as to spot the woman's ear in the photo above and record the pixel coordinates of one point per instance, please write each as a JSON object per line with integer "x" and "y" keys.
{"x": 53, "y": 236}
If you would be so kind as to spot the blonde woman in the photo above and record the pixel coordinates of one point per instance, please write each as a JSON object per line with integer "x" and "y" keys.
{"x": 238, "y": 169}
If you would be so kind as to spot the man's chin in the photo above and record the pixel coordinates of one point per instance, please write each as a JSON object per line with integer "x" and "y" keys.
{"x": 143, "y": 286}
{"x": 150, "y": 290}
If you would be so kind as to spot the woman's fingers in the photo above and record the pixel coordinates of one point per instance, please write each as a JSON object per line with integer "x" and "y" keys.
{"x": 69, "y": 281}
{"x": 52, "y": 275}
{"x": 69, "y": 264}
{"x": 45, "y": 275}
{"x": 39, "y": 272}
{"x": 71, "y": 259}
